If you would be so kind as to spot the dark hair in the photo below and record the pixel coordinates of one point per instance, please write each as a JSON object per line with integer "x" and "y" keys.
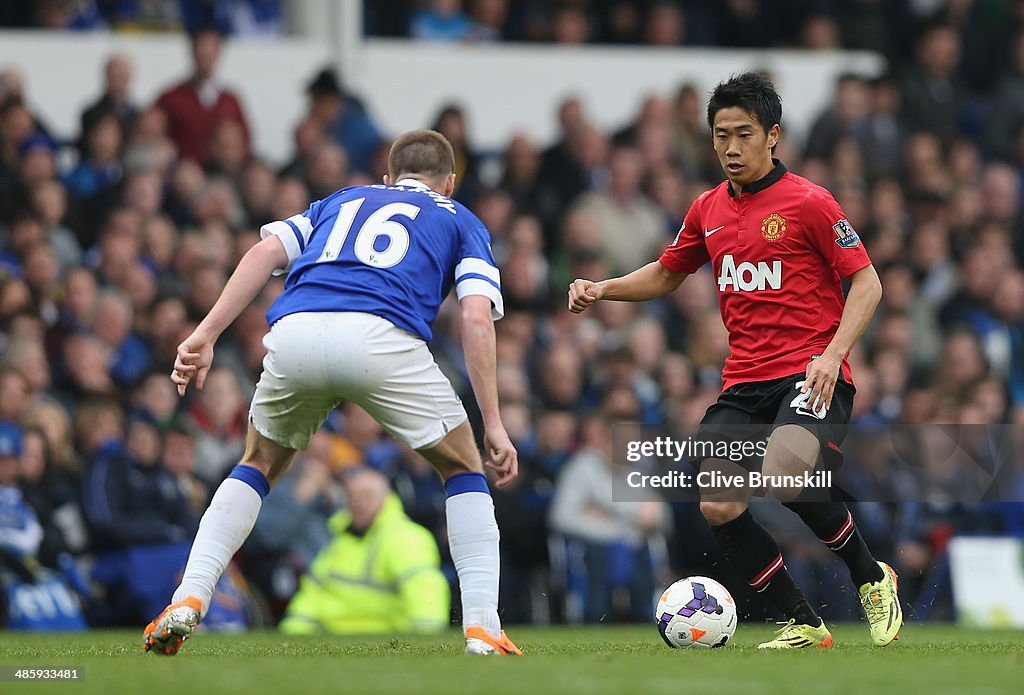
{"x": 423, "y": 152}
{"x": 446, "y": 111}
{"x": 203, "y": 28}
{"x": 754, "y": 93}
{"x": 325, "y": 83}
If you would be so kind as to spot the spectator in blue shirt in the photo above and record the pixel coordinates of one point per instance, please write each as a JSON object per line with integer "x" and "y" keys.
{"x": 99, "y": 168}
{"x": 20, "y": 531}
{"x": 344, "y": 118}
{"x": 129, "y": 498}
{"x": 441, "y": 20}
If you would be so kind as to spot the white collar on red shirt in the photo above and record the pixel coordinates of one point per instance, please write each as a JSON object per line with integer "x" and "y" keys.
{"x": 208, "y": 92}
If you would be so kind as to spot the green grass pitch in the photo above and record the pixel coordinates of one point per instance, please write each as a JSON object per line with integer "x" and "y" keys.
{"x": 594, "y": 661}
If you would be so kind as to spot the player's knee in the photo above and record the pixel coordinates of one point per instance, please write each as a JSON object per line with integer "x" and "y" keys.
{"x": 782, "y": 481}
{"x": 718, "y": 513}
{"x": 456, "y": 453}
{"x": 792, "y": 452}
{"x": 792, "y": 449}
{"x": 272, "y": 464}
{"x": 453, "y": 466}
{"x": 254, "y": 460}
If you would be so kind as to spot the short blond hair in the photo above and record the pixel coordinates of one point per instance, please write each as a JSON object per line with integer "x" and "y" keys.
{"x": 424, "y": 153}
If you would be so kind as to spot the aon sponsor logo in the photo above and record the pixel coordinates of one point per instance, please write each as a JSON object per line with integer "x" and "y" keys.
{"x": 747, "y": 277}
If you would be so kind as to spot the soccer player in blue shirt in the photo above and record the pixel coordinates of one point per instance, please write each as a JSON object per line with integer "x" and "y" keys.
{"x": 367, "y": 269}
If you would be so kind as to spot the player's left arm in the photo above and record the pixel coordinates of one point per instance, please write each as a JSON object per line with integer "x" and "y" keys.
{"x": 195, "y": 354}
{"x": 478, "y": 287}
{"x": 478, "y": 345}
{"x": 833, "y": 236}
{"x": 861, "y": 301}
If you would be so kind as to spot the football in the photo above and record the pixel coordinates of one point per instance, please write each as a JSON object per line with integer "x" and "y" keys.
{"x": 696, "y": 612}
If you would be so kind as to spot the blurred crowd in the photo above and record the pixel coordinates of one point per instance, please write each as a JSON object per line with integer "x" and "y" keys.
{"x": 245, "y": 18}
{"x": 986, "y": 26}
{"x": 117, "y": 239}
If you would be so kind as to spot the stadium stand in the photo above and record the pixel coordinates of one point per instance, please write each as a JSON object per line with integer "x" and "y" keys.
{"x": 114, "y": 245}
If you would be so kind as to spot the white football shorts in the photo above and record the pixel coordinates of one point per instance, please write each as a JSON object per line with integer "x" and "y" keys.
{"x": 314, "y": 361}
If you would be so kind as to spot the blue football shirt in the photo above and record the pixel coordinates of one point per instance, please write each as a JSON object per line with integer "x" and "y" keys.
{"x": 392, "y": 251}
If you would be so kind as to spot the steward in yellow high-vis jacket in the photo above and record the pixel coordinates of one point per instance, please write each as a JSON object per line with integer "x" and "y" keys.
{"x": 380, "y": 573}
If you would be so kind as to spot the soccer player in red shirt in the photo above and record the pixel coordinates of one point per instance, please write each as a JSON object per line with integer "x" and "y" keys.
{"x": 780, "y": 247}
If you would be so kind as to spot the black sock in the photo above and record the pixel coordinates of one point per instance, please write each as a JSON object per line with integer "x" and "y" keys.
{"x": 832, "y": 522}
{"x": 755, "y": 554}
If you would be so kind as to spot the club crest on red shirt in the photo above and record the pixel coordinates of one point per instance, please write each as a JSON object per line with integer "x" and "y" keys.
{"x": 773, "y": 227}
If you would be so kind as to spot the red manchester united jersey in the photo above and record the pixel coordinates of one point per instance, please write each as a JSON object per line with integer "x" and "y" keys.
{"x": 779, "y": 251}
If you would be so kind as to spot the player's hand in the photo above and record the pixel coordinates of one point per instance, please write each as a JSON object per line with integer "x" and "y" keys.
{"x": 195, "y": 355}
{"x": 583, "y": 293}
{"x": 504, "y": 459}
{"x": 820, "y": 382}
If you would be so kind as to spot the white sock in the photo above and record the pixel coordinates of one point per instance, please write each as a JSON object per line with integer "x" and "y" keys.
{"x": 222, "y": 530}
{"x": 473, "y": 542}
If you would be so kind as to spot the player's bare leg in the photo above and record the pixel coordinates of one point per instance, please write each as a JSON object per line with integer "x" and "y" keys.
{"x": 793, "y": 450}
{"x": 472, "y": 539}
{"x": 756, "y": 556}
{"x": 224, "y": 527}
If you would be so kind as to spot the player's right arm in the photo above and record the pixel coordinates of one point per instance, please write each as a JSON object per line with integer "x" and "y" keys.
{"x": 195, "y": 354}
{"x": 282, "y": 244}
{"x": 648, "y": 282}
{"x": 683, "y": 256}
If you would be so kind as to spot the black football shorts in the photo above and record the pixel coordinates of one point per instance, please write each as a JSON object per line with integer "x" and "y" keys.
{"x": 753, "y": 410}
